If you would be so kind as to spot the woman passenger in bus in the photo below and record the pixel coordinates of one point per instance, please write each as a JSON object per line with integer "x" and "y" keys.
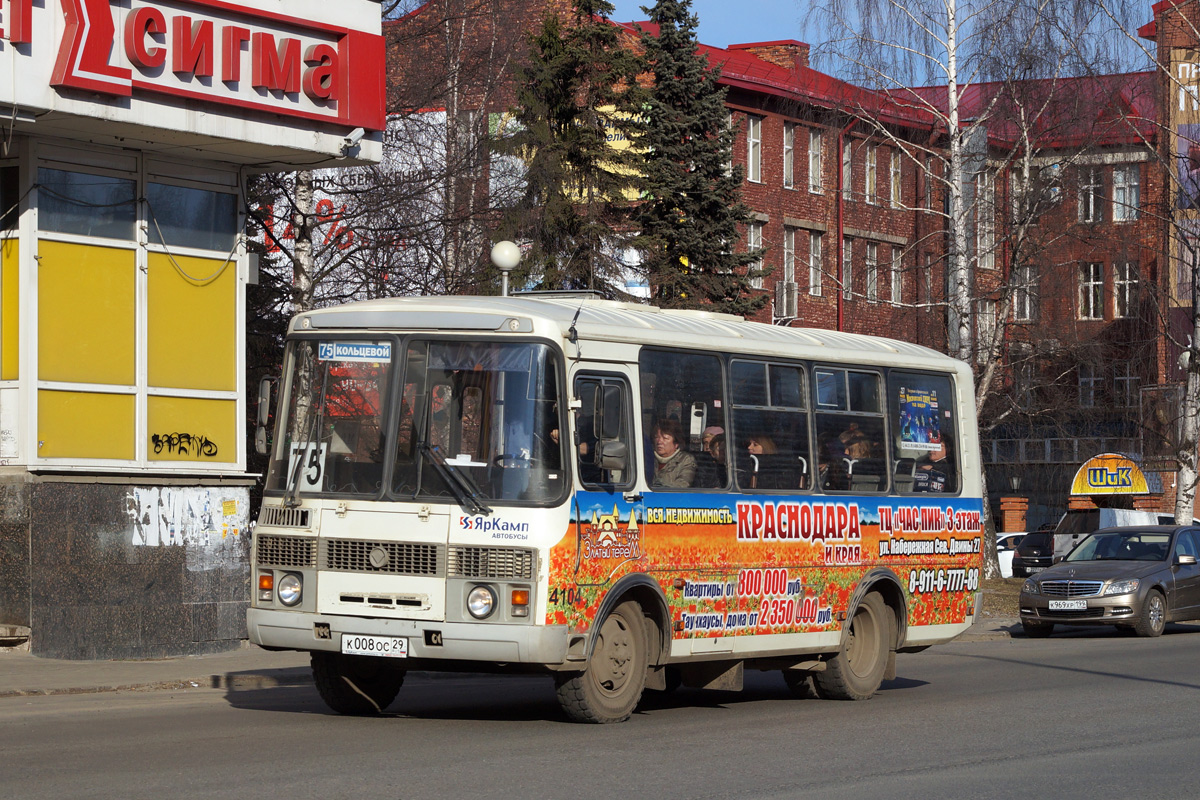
{"x": 761, "y": 448}
{"x": 674, "y": 467}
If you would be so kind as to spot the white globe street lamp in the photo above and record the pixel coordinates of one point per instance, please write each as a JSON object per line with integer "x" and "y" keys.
{"x": 505, "y": 255}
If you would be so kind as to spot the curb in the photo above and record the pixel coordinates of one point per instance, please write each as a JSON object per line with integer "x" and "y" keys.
{"x": 230, "y": 682}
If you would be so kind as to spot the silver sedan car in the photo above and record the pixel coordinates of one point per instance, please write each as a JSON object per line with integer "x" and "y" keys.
{"x": 1137, "y": 578}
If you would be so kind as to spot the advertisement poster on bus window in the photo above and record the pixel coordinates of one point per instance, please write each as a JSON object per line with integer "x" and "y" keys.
{"x": 920, "y": 426}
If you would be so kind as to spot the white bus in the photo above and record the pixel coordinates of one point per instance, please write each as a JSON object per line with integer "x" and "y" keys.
{"x": 625, "y": 497}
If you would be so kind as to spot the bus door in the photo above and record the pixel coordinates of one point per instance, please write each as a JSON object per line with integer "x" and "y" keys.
{"x": 609, "y": 514}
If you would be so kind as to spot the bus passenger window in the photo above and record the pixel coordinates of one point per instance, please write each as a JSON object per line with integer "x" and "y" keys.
{"x": 770, "y": 421}
{"x": 851, "y": 452}
{"x": 926, "y": 457}
{"x": 683, "y": 411}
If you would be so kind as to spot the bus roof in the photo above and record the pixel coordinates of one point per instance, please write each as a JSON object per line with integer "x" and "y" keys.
{"x": 612, "y": 321}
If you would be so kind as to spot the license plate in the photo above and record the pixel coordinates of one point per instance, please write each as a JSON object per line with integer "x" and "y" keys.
{"x": 1035, "y": 569}
{"x": 1066, "y": 605}
{"x": 386, "y": 646}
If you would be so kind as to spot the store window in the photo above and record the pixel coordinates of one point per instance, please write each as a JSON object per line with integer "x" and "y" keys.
{"x": 9, "y": 198}
{"x": 84, "y": 204}
{"x": 180, "y": 216}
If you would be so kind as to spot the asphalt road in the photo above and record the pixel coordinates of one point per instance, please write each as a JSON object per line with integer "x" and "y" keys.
{"x": 1090, "y": 714}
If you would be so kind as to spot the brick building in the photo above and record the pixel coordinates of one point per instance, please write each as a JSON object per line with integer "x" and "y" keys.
{"x": 1088, "y": 299}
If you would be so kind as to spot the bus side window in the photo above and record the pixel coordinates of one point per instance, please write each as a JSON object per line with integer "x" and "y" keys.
{"x": 923, "y": 423}
{"x": 603, "y": 445}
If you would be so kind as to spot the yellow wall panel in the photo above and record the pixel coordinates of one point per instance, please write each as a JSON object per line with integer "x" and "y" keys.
{"x": 85, "y": 425}
{"x": 86, "y": 313}
{"x": 10, "y": 314}
{"x": 189, "y": 429}
{"x": 192, "y": 323}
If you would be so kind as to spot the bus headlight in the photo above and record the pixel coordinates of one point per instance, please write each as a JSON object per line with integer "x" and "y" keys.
{"x": 289, "y": 589}
{"x": 481, "y": 602}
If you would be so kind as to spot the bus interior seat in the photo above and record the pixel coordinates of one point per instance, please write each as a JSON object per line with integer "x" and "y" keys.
{"x": 905, "y": 474}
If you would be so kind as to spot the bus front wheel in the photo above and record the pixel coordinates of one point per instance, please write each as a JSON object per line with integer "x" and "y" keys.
{"x": 355, "y": 684}
{"x": 856, "y": 672}
{"x": 611, "y": 686}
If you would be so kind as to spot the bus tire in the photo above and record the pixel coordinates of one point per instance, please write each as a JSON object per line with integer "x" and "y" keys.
{"x": 356, "y": 685}
{"x": 856, "y": 672}
{"x": 609, "y": 689}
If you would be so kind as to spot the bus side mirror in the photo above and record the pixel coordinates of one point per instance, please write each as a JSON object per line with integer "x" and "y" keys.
{"x": 264, "y": 415}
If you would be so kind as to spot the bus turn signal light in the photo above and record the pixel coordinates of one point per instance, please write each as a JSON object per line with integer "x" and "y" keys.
{"x": 266, "y": 585}
{"x": 520, "y": 602}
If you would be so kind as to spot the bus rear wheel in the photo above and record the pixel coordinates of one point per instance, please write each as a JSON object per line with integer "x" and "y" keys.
{"x": 355, "y": 685}
{"x": 611, "y": 686}
{"x": 856, "y": 672}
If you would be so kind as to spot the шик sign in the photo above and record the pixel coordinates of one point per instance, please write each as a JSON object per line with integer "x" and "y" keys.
{"x": 226, "y": 54}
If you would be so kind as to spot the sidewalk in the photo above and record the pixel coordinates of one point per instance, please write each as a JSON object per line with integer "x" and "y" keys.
{"x": 249, "y": 667}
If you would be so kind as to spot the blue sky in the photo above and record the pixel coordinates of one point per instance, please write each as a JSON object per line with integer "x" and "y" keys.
{"x": 726, "y": 22}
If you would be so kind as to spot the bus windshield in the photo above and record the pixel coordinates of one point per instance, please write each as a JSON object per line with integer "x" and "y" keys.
{"x": 469, "y": 422}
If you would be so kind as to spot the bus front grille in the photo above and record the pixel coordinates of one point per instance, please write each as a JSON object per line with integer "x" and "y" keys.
{"x": 287, "y": 551}
{"x": 280, "y": 517}
{"x": 490, "y": 562}
{"x": 395, "y": 558}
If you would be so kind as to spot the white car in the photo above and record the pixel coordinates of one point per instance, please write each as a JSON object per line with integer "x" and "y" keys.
{"x": 1006, "y": 545}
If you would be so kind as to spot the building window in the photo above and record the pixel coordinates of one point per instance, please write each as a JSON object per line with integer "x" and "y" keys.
{"x": 815, "y": 266}
{"x": 897, "y": 278}
{"x": 86, "y": 204}
{"x": 928, "y": 283}
{"x": 897, "y": 178}
{"x": 985, "y": 329}
{"x": 815, "y": 141}
{"x": 1023, "y": 384}
{"x": 985, "y": 222}
{"x": 847, "y": 272}
{"x": 754, "y": 242}
{"x": 1091, "y": 291}
{"x": 1125, "y": 384}
{"x": 789, "y": 255}
{"x": 789, "y": 154}
{"x": 1124, "y": 288}
{"x": 1089, "y": 382}
{"x": 754, "y": 148}
{"x": 1090, "y": 196}
{"x": 847, "y": 172}
{"x": 872, "y": 271}
{"x": 1185, "y": 268}
{"x": 1024, "y": 294}
{"x": 1126, "y": 193}
{"x": 729, "y": 161}
{"x": 927, "y": 195}
{"x": 872, "y": 177}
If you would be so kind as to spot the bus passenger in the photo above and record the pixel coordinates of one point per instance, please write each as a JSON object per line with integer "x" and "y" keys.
{"x": 758, "y": 446}
{"x": 710, "y": 467}
{"x": 673, "y": 467}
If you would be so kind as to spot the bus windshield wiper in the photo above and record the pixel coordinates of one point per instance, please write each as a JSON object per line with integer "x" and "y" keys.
{"x": 465, "y": 490}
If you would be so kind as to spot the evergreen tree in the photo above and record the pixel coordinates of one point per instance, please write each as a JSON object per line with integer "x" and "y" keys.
{"x": 692, "y": 210}
{"x": 575, "y": 92}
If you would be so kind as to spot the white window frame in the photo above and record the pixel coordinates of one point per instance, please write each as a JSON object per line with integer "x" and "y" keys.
{"x": 1024, "y": 294}
{"x": 754, "y": 148}
{"x": 871, "y": 262}
{"x": 754, "y": 232}
{"x": 1091, "y": 290}
{"x": 871, "y": 175}
{"x": 789, "y": 155}
{"x": 815, "y": 263}
{"x": 985, "y": 219}
{"x": 816, "y": 180}
{"x": 1090, "y": 195}
{"x": 927, "y": 195}
{"x": 897, "y": 278}
{"x": 897, "y": 178}
{"x": 847, "y": 170}
{"x": 1125, "y": 280}
{"x": 1126, "y": 196}
{"x": 789, "y": 254}
{"x": 985, "y": 329}
{"x": 847, "y": 268}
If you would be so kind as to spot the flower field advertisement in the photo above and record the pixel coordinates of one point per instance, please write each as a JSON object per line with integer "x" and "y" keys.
{"x": 737, "y": 565}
